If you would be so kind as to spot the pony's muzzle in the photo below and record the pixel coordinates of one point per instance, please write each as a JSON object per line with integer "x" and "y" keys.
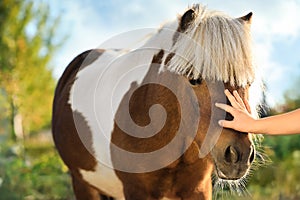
{"x": 236, "y": 161}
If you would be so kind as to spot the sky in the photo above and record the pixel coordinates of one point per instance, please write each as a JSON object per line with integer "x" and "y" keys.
{"x": 275, "y": 30}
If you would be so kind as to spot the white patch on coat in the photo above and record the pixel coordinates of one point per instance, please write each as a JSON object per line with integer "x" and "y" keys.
{"x": 105, "y": 179}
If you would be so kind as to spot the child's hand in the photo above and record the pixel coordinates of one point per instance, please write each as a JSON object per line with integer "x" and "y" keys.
{"x": 241, "y": 112}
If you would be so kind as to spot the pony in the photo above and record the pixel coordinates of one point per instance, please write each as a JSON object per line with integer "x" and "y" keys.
{"x": 141, "y": 123}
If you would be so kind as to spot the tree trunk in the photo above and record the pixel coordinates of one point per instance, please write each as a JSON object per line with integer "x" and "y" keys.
{"x": 12, "y": 135}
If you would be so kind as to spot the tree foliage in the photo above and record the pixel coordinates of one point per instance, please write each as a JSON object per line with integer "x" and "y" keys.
{"x": 41, "y": 176}
{"x": 26, "y": 48}
{"x": 280, "y": 179}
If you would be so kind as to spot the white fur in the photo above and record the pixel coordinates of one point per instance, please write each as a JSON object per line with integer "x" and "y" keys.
{"x": 105, "y": 179}
{"x": 215, "y": 47}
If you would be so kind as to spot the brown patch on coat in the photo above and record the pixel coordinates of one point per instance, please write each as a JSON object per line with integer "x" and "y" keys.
{"x": 186, "y": 177}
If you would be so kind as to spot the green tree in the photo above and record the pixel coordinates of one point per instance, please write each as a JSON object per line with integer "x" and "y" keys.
{"x": 27, "y": 44}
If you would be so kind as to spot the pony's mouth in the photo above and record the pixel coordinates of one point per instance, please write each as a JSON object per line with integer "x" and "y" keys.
{"x": 222, "y": 175}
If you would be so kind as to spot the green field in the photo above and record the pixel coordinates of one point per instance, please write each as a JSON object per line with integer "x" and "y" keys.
{"x": 33, "y": 170}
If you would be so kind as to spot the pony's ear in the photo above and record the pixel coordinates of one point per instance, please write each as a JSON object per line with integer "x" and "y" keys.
{"x": 186, "y": 19}
{"x": 247, "y": 18}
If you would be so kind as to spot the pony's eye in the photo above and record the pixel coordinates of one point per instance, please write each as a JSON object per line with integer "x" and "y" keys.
{"x": 195, "y": 81}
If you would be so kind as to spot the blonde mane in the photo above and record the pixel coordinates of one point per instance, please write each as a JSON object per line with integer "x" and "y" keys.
{"x": 214, "y": 47}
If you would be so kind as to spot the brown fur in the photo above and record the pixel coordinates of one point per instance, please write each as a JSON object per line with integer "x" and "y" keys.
{"x": 188, "y": 177}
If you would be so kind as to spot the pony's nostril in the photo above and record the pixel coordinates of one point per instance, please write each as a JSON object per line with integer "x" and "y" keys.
{"x": 231, "y": 155}
{"x": 252, "y": 156}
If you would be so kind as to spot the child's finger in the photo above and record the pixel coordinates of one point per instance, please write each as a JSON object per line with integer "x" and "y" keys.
{"x": 231, "y": 98}
{"x": 225, "y": 123}
{"x": 239, "y": 99}
{"x": 225, "y": 107}
{"x": 247, "y": 106}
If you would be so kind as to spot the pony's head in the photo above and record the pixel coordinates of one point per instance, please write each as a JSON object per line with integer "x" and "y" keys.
{"x": 215, "y": 54}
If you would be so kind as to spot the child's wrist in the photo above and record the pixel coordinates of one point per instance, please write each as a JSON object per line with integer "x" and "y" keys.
{"x": 256, "y": 126}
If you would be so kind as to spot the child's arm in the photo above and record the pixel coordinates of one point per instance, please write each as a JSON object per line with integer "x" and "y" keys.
{"x": 288, "y": 123}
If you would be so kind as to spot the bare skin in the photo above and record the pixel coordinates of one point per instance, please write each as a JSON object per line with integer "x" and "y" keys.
{"x": 282, "y": 124}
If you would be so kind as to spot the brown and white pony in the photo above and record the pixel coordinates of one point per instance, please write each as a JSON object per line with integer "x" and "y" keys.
{"x": 142, "y": 124}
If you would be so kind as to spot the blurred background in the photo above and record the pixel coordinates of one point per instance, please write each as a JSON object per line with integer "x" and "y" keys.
{"x": 39, "y": 38}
